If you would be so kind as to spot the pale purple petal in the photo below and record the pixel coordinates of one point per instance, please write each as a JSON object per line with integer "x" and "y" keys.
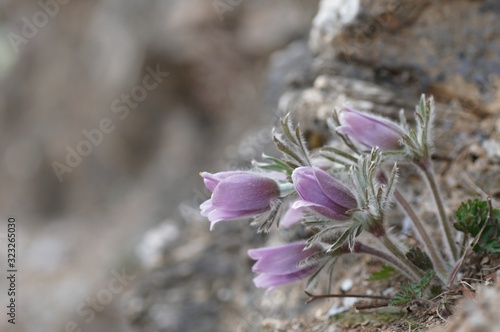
{"x": 338, "y": 214}
{"x": 281, "y": 259}
{"x": 215, "y": 215}
{"x": 237, "y": 194}
{"x": 308, "y": 187}
{"x": 301, "y": 204}
{"x": 370, "y": 130}
{"x": 206, "y": 207}
{"x": 271, "y": 281}
{"x": 280, "y": 265}
{"x": 335, "y": 190}
{"x": 291, "y": 216}
{"x": 322, "y": 193}
{"x": 218, "y": 215}
{"x": 245, "y": 192}
{"x": 212, "y": 180}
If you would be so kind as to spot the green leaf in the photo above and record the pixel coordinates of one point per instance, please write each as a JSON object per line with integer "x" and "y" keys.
{"x": 286, "y": 125}
{"x": 419, "y": 259}
{"x": 341, "y": 240}
{"x": 291, "y": 142}
{"x": 413, "y": 291}
{"x": 384, "y": 273}
{"x": 340, "y": 153}
{"x": 472, "y": 216}
{"x": 274, "y": 164}
{"x": 348, "y": 236}
{"x": 286, "y": 150}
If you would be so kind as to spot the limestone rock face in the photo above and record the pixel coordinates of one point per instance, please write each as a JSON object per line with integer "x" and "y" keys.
{"x": 448, "y": 48}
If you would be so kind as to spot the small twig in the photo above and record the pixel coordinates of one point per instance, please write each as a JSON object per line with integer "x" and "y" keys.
{"x": 474, "y": 186}
{"x": 371, "y": 306}
{"x": 324, "y": 296}
{"x": 494, "y": 268}
{"x": 473, "y": 279}
{"x": 437, "y": 312}
{"x": 429, "y": 302}
{"x": 467, "y": 284}
{"x": 457, "y": 266}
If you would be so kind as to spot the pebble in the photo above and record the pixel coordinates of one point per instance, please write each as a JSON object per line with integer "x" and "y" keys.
{"x": 388, "y": 291}
{"x": 346, "y": 285}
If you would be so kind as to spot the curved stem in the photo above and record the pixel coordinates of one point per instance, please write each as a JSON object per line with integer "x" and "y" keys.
{"x": 445, "y": 225}
{"x": 429, "y": 245}
{"x": 400, "y": 255}
{"x": 362, "y": 248}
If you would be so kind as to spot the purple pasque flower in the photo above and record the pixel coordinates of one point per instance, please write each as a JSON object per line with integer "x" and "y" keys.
{"x": 370, "y": 130}
{"x": 237, "y": 194}
{"x": 291, "y": 216}
{"x": 280, "y": 265}
{"x": 322, "y": 193}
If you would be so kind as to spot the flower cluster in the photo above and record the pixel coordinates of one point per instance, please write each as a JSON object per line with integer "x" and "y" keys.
{"x": 340, "y": 193}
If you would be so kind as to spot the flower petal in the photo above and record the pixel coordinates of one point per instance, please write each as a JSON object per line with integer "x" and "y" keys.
{"x": 206, "y": 207}
{"x": 308, "y": 187}
{"x": 334, "y": 189}
{"x": 370, "y": 130}
{"x": 212, "y": 180}
{"x": 245, "y": 192}
{"x": 291, "y": 216}
{"x": 271, "y": 281}
{"x": 280, "y": 259}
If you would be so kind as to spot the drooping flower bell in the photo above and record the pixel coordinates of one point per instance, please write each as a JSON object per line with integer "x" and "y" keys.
{"x": 237, "y": 194}
{"x": 370, "y": 130}
{"x": 322, "y": 193}
{"x": 280, "y": 265}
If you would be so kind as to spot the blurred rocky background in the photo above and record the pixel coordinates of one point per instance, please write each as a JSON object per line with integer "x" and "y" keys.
{"x": 109, "y": 235}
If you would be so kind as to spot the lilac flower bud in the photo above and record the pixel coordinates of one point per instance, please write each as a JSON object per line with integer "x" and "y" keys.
{"x": 370, "y": 130}
{"x": 237, "y": 194}
{"x": 322, "y": 193}
{"x": 280, "y": 265}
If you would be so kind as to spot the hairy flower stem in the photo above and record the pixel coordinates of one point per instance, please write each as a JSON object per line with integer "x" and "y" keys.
{"x": 387, "y": 242}
{"x": 429, "y": 245}
{"x": 362, "y": 248}
{"x": 426, "y": 168}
